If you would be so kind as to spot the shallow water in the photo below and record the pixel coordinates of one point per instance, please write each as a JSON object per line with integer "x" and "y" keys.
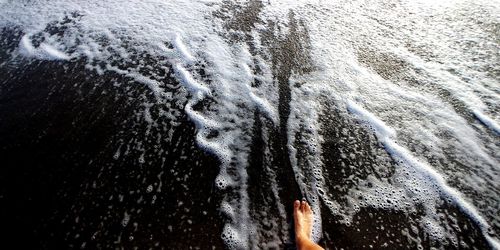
{"x": 176, "y": 124}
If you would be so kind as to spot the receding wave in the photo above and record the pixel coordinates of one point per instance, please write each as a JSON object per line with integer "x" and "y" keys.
{"x": 384, "y": 116}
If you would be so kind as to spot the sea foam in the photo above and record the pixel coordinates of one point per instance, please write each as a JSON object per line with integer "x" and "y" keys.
{"x": 432, "y": 110}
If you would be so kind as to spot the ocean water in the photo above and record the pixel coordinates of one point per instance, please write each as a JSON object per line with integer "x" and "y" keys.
{"x": 195, "y": 124}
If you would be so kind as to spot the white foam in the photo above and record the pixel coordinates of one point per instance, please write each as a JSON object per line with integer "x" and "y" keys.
{"x": 44, "y": 51}
{"x": 265, "y": 107}
{"x": 400, "y": 153}
{"x": 232, "y": 237}
{"x": 411, "y": 114}
{"x": 303, "y": 112}
{"x": 52, "y": 53}
{"x": 401, "y": 115}
{"x": 379, "y": 127}
{"x": 188, "y": 81}
{"x": 181, "y": 47}
{"x": 153, "y": 85}
{"x": 492, "y": 124}
{"x": 26, "y": 47}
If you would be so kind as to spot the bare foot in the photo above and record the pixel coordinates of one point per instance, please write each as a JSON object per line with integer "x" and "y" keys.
{"x": 303, "y": 218}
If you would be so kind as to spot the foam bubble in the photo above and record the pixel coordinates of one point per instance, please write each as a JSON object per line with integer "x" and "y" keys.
{"x": 44, "y": 51}
{"x": 232, "y": 238}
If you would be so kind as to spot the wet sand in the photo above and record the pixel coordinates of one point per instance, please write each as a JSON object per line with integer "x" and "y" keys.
{"x": 81, "y": 168}
{"x": 63, "y": 184}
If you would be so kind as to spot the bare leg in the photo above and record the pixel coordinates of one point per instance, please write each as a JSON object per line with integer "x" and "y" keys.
{"x": 303, "y": 218}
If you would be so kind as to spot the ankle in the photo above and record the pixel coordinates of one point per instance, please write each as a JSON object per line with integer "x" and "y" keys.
{"x": 301, "y": 239}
